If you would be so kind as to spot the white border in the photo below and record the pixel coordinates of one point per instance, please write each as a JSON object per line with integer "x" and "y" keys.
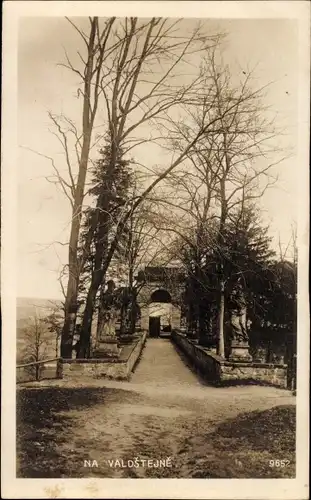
{"x": 147, "y": 488}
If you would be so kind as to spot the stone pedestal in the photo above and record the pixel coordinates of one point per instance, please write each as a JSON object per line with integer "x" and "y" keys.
{"x": 240, "y": 352}
{"x": 107, "y": 347}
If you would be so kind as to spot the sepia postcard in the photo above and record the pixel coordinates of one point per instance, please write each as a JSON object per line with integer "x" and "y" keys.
{"x": 155, "y": 249}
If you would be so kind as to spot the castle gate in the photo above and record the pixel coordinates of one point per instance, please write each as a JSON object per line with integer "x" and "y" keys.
{"x": 159, "y": 298}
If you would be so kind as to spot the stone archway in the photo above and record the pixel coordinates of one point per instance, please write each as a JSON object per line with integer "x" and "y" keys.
{"x": 161, "y": 296}
{"x": 159, "y": 303}
{"x": 161, "y": 284}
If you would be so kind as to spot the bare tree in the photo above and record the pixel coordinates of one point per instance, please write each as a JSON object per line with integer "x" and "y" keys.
{"x": 116, "y": 65}
{"x": 137, "y": 69}
{"x": 230, "y": 163}
{"x": 76, "y": 143}
{"x": 36, "y": 344}
{"x": 96, "y": 44}
{"x": 133, "y": 99}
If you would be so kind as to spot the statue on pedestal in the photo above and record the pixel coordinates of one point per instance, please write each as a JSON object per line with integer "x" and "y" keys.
{"x": 108, "y": 325}
{"x": 107, "y": 342}
{"x": 240, "y": 339}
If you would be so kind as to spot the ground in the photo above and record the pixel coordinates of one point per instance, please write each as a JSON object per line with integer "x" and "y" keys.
{"x": 165, "y": 411}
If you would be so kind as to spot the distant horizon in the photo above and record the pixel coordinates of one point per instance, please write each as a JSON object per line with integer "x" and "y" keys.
{"x": 39, "y": 298}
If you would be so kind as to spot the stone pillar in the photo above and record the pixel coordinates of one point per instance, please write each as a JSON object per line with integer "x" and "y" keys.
{"x": 240, "y": 340}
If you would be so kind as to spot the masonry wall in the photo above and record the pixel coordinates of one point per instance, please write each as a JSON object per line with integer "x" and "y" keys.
{"x": 118, "y": 369}
{"x": 219, "y": 371}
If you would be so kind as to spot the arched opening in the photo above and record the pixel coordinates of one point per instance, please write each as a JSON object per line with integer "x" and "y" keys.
{"x": 160, "y": 313}
{"x": 161, "y": 296}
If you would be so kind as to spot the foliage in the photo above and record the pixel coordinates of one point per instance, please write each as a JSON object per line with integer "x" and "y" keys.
{"x": 277, "y": 304}
{"x": 268, "y": 285}
{"x": 109, "y": 192}
{"x": 111, "y": 182}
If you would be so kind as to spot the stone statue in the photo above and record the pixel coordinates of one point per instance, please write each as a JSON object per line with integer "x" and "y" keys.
{"x": 107, "y": 343}
{"x": 108, "y": 318}
{"x": 108, "y": 327}
{"x": 239, "y": 327}
{"x": 238, "y": 315}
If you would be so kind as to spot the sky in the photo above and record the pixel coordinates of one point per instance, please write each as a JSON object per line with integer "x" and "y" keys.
{"x": 44, "y": 213}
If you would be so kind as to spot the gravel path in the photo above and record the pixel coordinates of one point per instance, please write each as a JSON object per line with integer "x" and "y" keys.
{"x": 160, "y": 365}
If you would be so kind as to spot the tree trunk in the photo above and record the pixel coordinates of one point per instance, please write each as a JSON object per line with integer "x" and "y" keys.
{"x": 101, "y": 309}
{"x": 223, "y": 215}
{"x": 132, "y": 292}
{"x": 98, "y": 276}
{"x": 133, "y": 310}
{"x": 221, "y": 320}
{"x": 70, "y": 319}
{"x": 73, "y": 265}
{"x": 101, "y": 267}
{"x": 123, "y": 312}
{"x": 85, "y": 336}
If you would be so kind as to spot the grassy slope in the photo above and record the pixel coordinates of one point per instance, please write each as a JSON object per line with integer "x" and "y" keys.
{"x": 243, "y": 446}
{"x": 60, "y": 427}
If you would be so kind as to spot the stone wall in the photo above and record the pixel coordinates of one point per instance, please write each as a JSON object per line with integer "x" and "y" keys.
{"x": 220, "y": 371}
{"x": 118, "y": 369}
{"x": 269, "y": 373}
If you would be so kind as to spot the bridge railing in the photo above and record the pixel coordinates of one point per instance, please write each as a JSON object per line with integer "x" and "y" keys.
{"x": 38, "y": 370}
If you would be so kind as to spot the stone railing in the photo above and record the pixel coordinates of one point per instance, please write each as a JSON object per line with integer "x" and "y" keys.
{"x": 118, "y": 368}
{"x": 219, "y": 371}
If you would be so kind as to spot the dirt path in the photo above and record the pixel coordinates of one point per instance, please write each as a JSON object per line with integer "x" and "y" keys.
{"x": 160, "y": 365}
{"x": 164, "y": 411}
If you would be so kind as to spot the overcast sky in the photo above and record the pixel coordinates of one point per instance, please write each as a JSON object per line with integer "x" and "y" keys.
{"x": 44, "y": 213}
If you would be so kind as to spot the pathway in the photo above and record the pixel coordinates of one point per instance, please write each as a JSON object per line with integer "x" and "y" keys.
{"x": 160, "y": 365}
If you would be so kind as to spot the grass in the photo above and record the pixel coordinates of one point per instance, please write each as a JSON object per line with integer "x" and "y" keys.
{"x": 271, "y": 430}
{"x": 244, "y": 446}
{"x": 60, "y": 427}
{"x": 44, "y": 418}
